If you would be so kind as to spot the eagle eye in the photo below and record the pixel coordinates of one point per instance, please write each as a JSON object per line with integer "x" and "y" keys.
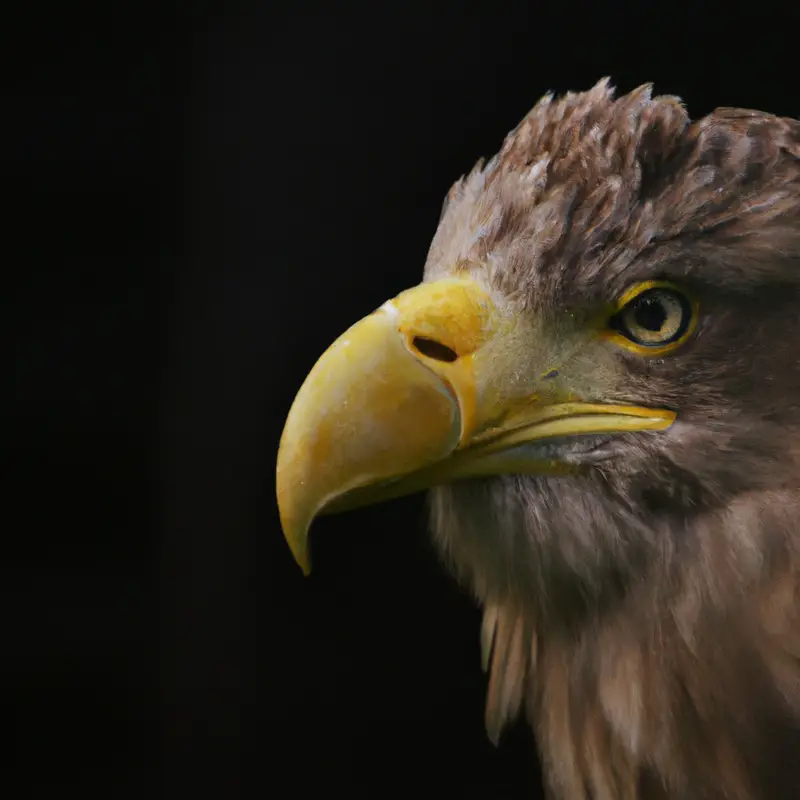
{"x": 653, "y": 319}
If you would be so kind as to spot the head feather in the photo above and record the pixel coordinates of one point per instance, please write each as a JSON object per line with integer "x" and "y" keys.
{"x": 647, "y": 612}
{"x": 588, "y": 184}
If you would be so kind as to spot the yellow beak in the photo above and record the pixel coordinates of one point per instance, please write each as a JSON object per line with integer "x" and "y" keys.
{"x": 426, "y": 390}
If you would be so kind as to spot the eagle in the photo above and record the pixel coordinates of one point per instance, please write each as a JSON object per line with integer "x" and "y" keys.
{"x": 598, "y": 383}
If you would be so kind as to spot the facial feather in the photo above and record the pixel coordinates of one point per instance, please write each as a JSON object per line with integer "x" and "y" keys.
{"x": 645, "y": 610}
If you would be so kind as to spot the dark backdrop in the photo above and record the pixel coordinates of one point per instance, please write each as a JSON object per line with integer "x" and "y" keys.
{"x": 200, "y": 203}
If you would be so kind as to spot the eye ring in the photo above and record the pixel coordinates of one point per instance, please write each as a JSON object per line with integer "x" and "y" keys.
{"x": 653, "y": 318}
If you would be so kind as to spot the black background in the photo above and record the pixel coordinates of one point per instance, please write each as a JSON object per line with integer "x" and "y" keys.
{"x": 199, "y": 203}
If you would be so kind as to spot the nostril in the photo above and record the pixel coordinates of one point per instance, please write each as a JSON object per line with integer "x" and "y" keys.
{"x": 433, "y": 349}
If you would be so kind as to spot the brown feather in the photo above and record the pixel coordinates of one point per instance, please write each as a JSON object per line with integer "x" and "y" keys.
{"x": 645, "y": 612}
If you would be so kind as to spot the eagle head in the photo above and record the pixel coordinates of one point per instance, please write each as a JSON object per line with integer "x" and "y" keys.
{"x": 597, "y": 380}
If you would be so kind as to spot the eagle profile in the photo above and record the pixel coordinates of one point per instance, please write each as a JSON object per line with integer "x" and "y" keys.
{"x": 598, "y": 381}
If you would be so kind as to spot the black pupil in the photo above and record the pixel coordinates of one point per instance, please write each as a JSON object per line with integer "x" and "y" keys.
{"x": 650, "y": 314}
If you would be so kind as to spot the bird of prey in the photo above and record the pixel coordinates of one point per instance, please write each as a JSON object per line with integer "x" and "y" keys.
{"x": 598, "y": 381}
